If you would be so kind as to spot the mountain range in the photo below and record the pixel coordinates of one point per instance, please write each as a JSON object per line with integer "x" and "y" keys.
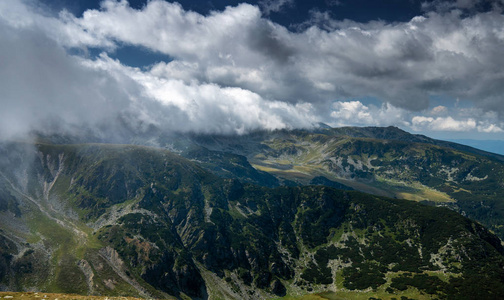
{"x": 382, "y": 161}
{"x": 348, "y": 212}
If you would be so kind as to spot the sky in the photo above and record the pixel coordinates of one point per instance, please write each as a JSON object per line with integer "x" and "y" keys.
{"x": 214, "y": 66}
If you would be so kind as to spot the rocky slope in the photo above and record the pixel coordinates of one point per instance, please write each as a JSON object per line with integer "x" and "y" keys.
{"x": 382, "y": 161}
{"x": 138, "y": 221}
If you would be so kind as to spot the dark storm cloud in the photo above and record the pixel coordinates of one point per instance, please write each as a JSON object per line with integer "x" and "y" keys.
{"x": 263, "y": 39}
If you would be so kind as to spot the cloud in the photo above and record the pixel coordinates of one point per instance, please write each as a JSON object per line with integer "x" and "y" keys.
{"x": 402, "y": 63}
{"x": 207, "y": 107}
{"x": 61, "y": 29}
{"x": 356, "y": 113}
{"x": 44, "y": 89}
{"x": 333, "y": 3}
{"x": 439, "y": 110}
{"x": 232, "y": 60}
{"x": 465, "y": 5}
{"x": 444, "y": 124}
{"x": 490, "y": 128}
{"x": 422, "y": 123}
{"x": 41, "y": 86}
{"x": 437, "y": 119}
{"x": 353, "y": 111}
{"x": 269, "y": 6}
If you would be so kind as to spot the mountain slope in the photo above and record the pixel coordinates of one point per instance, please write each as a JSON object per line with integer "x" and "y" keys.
{"x": 139, "y": 221}
{"x": 381, "y": 161}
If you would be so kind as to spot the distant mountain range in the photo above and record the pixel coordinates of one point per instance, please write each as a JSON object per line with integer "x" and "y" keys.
{"x": 257, "y": 216}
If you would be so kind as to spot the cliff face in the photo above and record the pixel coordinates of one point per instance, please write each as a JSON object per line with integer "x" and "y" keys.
{"x": 130, "y": 220}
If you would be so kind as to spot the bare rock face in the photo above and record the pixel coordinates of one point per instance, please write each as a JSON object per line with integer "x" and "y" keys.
{"x": 88, "y": 272}
{"x": 111, "y": 255}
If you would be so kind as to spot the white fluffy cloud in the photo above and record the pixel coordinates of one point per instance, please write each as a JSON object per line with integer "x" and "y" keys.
{"x": 444, "y": 124}
{"x": 436, "y": 119}
{"x": 61, "y": 29}
{"x": 234, "y": 70}
{"x": 44, "y": 88}
{"x": 403, "y": 64}
{"x": 449, "y": 124}
{"x": 208, "y": 107}
{"x": 356, "y": 113}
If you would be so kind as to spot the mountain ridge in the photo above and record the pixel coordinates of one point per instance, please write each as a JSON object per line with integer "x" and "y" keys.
{"x": 413, "y": 167}
{"x": 383, "y": 161}
{"x": 141, "y": 221}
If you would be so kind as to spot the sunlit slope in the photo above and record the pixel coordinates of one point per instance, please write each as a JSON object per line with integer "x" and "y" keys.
{"x": 381, "y": 161}
{"x": 138, "y": 221}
